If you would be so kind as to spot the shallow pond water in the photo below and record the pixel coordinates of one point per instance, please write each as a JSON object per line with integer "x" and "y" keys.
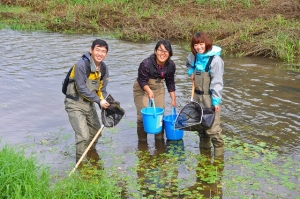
{"x": 261, "y": 100}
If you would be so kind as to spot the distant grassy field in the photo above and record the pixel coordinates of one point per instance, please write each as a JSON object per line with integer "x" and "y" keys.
{"x": 269, "y": 28}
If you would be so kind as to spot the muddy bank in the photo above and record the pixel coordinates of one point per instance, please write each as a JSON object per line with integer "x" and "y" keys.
{"x": 244, "y": 28}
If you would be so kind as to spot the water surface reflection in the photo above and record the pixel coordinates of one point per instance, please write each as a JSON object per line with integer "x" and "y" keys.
{"x": 261, "y": 101}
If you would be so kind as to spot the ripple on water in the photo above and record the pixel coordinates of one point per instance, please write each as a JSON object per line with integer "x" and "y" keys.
{"x": 31, "y": 104}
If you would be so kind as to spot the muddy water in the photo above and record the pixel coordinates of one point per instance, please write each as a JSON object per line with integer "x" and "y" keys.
{"x": 261, "y": 100}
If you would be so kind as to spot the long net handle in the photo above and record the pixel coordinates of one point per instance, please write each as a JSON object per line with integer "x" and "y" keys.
{"x": 193, "y": 91}
{"x": 87, "y": 149}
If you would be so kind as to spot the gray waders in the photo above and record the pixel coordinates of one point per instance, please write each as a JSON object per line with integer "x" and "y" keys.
{"x": 141, "y": 101}
{"x": 83, "y": 117}
{"x": 203, "y": 97}
{"x": 84, "y": 121}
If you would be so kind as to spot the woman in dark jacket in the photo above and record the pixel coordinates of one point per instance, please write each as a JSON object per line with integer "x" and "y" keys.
{"x": 152, "y": 73}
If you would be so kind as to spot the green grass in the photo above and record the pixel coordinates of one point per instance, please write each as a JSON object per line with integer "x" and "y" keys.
{"x": 231, "y": 24}
{"x": 245, "y": 171}
{"x": 22, "y": 177}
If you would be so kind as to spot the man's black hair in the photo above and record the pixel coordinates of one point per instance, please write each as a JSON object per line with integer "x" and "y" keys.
{"x": 100, "y": 43}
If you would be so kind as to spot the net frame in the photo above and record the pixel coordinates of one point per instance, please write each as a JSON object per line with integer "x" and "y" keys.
{"x": 113, "y": 114}
{"x": 203, "y": 117}
{"x": 190, "y": 115}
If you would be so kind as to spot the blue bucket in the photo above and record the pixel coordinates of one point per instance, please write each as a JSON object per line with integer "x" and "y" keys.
{"x": 152, "y": 118}
{"x": 169, "y": 125}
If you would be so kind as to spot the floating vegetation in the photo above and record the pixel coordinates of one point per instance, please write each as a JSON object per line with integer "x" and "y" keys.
{"x": 170, "y": 170}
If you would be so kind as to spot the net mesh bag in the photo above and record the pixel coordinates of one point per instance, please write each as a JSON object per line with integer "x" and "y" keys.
{"x": 193, "y": 117}
{"x": 208, "y": 118}
{"x": 190, "y": 115}
{"x": 113, "y": 114}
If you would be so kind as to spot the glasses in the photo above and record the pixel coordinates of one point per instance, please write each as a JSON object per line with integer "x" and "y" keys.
{"x": 160, "y": 51}
{"x": 101, "y": 51}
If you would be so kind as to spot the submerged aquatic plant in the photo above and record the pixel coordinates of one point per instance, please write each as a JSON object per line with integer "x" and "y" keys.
{"x": 178, "y": 171}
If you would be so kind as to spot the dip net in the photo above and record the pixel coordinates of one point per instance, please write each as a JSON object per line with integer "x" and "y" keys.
{"x": 113, "y": 114}
{"x": 193, "y": 117}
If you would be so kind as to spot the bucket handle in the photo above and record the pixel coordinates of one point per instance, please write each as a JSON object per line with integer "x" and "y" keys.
{"x": 173, "y": 110}
{"x": 173, "y": 113}
{"x": 149, "y": 102}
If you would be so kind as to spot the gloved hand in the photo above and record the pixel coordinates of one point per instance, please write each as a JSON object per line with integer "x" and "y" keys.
{"x": 104, "y": 104}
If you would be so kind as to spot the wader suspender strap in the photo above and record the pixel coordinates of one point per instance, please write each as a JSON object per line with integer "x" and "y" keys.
{"x": 68, "y": 80}
{"x": 206, "y": 70}
{"x": 102, "y": 70}
{"x": 88, "y": 69}
{"x": 207, "y": 65}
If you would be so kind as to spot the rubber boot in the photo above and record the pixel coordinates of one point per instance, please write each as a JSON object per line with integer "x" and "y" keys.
{"x": 218, "y": 146}
{"x": 219, "y": 151}
{"x": 92, "y": 155}
{"x": 82, "y": 163}
{"x": 94, "y": 159}
{"x": 207, "y": 153}
{"x": 205, "y": 142}
{"x": 159, "y": 136}
{"x": 160, "y": 146}
{"x": 142, "y": 135}
{"x": 93, "y": 147}
{"x": 78, "y": 156}
{"x": 143, "y": 146}
{"x": 219, "y": 158}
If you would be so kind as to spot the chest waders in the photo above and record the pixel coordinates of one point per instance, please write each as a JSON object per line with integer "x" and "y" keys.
{"x": 82, "y": 114}
{"x": 141, "y": 101}
{"x": 203, "y": 97}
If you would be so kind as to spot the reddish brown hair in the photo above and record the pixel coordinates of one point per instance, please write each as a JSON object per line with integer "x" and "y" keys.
{"x": 200, "y": 37}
